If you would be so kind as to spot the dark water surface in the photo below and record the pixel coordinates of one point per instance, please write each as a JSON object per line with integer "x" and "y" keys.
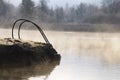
{"x": 85, "y": 56}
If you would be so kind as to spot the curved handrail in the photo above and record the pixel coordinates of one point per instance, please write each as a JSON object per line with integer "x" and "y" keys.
{"x": 14, "y": 26}
{"x": 41, "y": 31}
{"x": 24, "y": 20}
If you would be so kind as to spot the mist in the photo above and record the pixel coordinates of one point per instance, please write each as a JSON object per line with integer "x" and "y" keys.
{"x": 83, "y": 16}
{"x": 86, "y": 35}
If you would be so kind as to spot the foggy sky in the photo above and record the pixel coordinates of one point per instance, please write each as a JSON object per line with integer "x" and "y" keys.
{"x": 60, "y": 2}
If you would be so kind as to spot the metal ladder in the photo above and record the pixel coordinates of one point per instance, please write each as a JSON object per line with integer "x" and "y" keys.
{"x": 24, "y": 21}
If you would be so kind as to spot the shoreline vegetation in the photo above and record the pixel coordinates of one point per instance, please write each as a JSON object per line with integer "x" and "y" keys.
{"x": 77, "y": 27}
{"x": 82, "y": 17}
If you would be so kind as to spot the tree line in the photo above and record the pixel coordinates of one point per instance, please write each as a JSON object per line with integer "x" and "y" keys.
{"x": 108, "y": 12}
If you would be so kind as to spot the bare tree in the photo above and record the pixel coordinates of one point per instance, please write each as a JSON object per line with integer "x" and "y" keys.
{"x": 81, "y": 11}
{"x": 59, "y": 14}
{"x": 3, "y": 8}
{"x": 27, "y": 9}
{"x": 111, "y": 6}
{"x": 42, "y": 10}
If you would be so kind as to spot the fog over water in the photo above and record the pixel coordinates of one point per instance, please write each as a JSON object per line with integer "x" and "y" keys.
{"x": 85, "y": 56}
{"x": 86, "y": 33}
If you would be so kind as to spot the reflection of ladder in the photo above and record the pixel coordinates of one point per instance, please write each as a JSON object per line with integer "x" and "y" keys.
{"x": 23, "y": 21}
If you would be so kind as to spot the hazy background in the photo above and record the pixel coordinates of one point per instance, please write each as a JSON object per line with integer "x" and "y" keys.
{"x": 67, "y": 15}
{"x": 61, "y": 3}
{"x": 89, "y": 54}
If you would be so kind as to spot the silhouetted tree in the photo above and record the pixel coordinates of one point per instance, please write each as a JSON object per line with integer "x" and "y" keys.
{"x": 70, "y": 14}
{"x": 91, "y": 10}
{"x": 42, "y": 10}
{"x": 27, "y": 9}
{"x": 59, "y": 14}
{"x": 51, "y": 15}
{"x": 111, "y": 6}
{"x": 3, "y": 8}
{"x": 81, "y": 11}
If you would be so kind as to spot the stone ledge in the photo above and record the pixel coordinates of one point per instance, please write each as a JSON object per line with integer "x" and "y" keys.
{"x": 17, "y": 51}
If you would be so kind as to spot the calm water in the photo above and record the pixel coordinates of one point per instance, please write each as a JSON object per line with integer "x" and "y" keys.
{"x": 85, "y": 56}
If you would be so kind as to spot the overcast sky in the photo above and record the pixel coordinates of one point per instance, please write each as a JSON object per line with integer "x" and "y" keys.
{"x": 60, "y": 2}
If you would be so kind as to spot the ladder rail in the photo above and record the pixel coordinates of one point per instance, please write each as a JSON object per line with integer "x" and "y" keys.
{"x": 24, "y": 21}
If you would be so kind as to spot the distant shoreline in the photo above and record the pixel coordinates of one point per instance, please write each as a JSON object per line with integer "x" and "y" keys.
{"x": 82, "y": 27}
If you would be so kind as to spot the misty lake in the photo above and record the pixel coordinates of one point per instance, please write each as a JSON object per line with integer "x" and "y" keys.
{"x": 84, "y": 56}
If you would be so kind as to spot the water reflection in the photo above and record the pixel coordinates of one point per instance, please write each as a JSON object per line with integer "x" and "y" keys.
{"x": 25, "y": 72}
{"x": 85, "y": 56}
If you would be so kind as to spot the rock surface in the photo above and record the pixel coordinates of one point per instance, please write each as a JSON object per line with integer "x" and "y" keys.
{"x": 14, "y": 51}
